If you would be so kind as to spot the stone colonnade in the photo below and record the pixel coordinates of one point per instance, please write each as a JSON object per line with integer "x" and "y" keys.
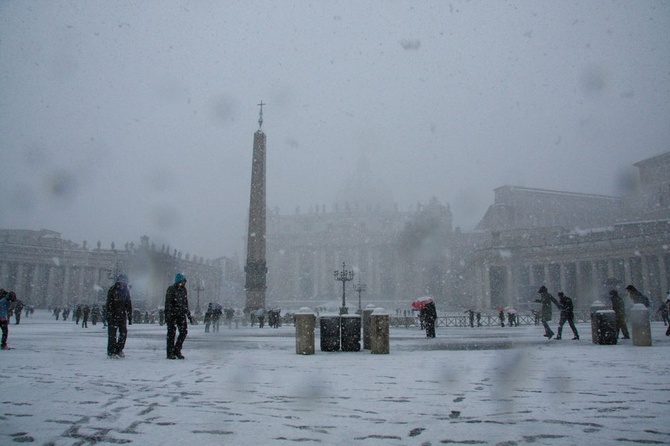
{"x": 583, "y": 269}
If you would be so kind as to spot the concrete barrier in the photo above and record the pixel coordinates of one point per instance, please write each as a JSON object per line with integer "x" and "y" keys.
{"x": 305, "y": 322}
{"x": 639, "y": 318}
{"x": 367, "y": 312}
{"x": 595, "y": 307}
{"x": 606, "y": 331}
{"x": 379, "y": 332}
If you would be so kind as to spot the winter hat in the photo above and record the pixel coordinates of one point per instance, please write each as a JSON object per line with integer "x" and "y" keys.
{"x": 179, "y": 277}
{"x": 543, "y": 289}
{"x": 613, "y": 293}
{"x": 560, "y": 294}
{"x": 631, "y": 288}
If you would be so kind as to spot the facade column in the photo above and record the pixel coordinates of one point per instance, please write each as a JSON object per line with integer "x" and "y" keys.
{"x": 51, "y": 286}
{"x": 562, "y": 279}
{"x": 594, "y": 275}
{"x": 665, "y": 285}
{"x": 65, "y": 292}
{"x": 510, "y": 294}
{"x": 610, "y": 268}
{"x": 4, "y": 272}
{"x": 486, "y": 285}
{"x": 80, "y": 285}
{"x": 19, "y": 281}
{"x": 626, "y": 270}
{"x": 644, "y": 287}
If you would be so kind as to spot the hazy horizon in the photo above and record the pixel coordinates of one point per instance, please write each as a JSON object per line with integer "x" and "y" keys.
{"x": 124, "y": 120}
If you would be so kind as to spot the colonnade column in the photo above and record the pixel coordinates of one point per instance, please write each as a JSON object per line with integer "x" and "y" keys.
{"x": 486, "y": 284}
{"x": 562, "y": 279}
{"x": 51, "y": 286}
{"x": 4, "y": 273}
{"x": 626, "y": 270}
{"x": 665, "y": 285}
{"x": 645, "y": 285}
{"x": 510, "y": 292}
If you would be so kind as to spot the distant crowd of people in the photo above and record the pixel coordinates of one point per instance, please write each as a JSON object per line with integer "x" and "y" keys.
{"x": 428, "y": 314}
{"x": 117, "y": 314}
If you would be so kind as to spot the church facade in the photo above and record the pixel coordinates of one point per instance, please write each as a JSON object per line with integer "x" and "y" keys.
{"x": 581, "y": 244}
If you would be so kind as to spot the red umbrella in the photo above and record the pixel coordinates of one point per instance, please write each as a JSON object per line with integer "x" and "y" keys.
{"x": 421, "y": 302}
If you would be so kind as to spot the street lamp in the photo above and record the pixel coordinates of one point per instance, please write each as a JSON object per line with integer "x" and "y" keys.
{"x": 359, "y": 288}
{"x": 198, "y": 288}
{"x": 344, "y": 276}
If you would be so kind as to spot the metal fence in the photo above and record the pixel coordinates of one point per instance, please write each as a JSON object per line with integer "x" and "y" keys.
{"x": 464, "y": 321}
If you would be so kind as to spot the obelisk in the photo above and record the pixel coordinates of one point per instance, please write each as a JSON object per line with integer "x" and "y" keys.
{"x": 256, "y": 269}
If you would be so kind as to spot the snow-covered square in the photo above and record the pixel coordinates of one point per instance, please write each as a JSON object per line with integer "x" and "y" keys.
{"x": 247, "y": 386}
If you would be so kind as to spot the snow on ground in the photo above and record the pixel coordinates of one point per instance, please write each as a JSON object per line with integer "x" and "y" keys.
{"x": 247, "y": 386}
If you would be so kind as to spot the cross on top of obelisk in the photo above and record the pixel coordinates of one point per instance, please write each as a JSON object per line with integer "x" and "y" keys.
{"x": 260, "y": 118}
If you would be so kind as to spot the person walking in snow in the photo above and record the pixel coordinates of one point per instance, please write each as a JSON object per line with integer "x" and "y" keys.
{"x": 429, "y": 317}
{"x": 77, "y": 313}
{"x": 176, "y": 313}
{"x": 471, "y": 316}
{"x": 84, "y": 316}
{"x": 637, "y": 297}
{"x": 620, "y": 314}
{"x": 663, "y": 309}
{"x": 18, "y": 308}
{"x": 7, "y": 299}
{"x": 260, "y": 314}
{"x": 567, "y": 315}
{"x": 118, "y": 309}
{"x": 546, "y": 300}
{"x": 208, "y": 317}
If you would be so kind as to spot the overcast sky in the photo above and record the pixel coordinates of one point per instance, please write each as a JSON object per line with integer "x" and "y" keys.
{"x": 123, "y": 119}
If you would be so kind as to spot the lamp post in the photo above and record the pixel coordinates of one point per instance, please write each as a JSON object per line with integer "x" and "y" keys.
{"x": 198, "y": 288}
{"x": 344, "y": 276}
{"x": 359, "y": 288}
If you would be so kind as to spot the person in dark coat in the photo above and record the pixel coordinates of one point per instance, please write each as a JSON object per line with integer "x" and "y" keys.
{"x": 637, "y": 297}
{"x": 118, "y": 309}
{"x": 620, "y": 313}
{"x": 546, "y": 300}
{"x": 77, "y": 314}
{"x": 663, "y": 309}
{"x": 429, "y": 316}
{"x": 18, "y": 308}
{"x": 209, "y": 315}
{"x": 7, "y": 300}
{"x": 567, "y": 314}
{"x": 176, "y": 313}
{"x": 471, "y": 316}
{"x": 84, "y": 315}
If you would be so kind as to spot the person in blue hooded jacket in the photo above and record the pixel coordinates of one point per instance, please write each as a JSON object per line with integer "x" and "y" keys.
{"x": 176, "y": 313}
{"x": 6, "y": 301}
